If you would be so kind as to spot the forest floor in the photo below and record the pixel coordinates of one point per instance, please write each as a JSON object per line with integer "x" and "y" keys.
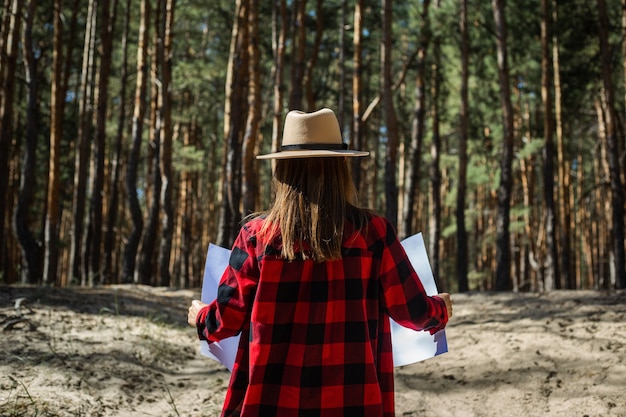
{"x": 127, "y": 351}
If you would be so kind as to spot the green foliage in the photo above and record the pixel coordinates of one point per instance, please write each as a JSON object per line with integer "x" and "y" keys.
{"x": 188, "y": 158}
{"x": 200, "y": 56}
{"x": 530, "y": 148}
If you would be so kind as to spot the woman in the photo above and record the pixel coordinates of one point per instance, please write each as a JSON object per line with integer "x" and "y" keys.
{"x": 311, "y": 285}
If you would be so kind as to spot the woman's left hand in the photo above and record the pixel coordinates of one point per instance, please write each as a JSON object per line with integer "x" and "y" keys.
{"x": 196, "y": 306}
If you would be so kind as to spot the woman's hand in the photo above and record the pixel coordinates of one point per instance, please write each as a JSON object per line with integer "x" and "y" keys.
{"x": 446, "y": 298}
{"x": 196, "y": 306}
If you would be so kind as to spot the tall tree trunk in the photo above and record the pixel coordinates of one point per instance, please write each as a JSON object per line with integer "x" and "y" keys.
{"x": 8, "y": 64}
{"x": 391, "y": 155}
{"x": 54, "y": 180}
{"x": 130, "y": 251}
{"x": 312, "y": 61}
{"x": 567, "y": 260}
{"x": 603, "y": 253}
{"x": 617, "y": 189}
{"x": 527, "y": 178}
{"x": 503, "y": 250}
{"x": 250, "y": 187}
{"x": 146, "y": 268}
{"x": 97, "y": 185}
{"x": 341, "y": 100}
{"x": 182, "y": 258}
{"x": 167, "y": 177}
{"x": 278, "y": 47}
{"x": 299, "y": 54}
{"x": 234, "y": 109}
{"x": 552, "y": 278}
{"x": 436, "y": 206}
{"x": 580, "y": 217}
{"x": 357, "y": 67}
{"x": 623, "y": 50}
{"x": 70, "y": 43}
{"x": 461, "y": 232}
{"x": 411, "y": 189}
{"x": 66, "y": 231}
{"x": 31, "y": 251}
{"x": 115, "y": 169}
{"x": 85, "y": 127}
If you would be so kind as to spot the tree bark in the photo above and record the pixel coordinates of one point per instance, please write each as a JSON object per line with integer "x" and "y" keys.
{"x": 108, "y": 15}
{"x": 130, "y": 250}
{"x": 167, "y": 177}
{"x": 31, "y": 250}
{"x": 312, "y": 61}
{"x": 112, "y": 212}
{"x": 411, "y": 189}
{"x": 182, "y": 265}
{"x": 66, "y": 232}
{"x": 341, "y": 99}
{"x": 85, "y": 106}
{"x": 436, "y": 206}
{"x": 299, "y": 54}
{"x": 529, "y": 265}
{"x": 279, "y": 36}
{"x": 234, "y": 109}
{"x": 146, "y": 270}
{"x": 613, "y": 147}
{"x": 356, "y": 138}
{"x": 278, "y": 47}
{"x": 461, "y": 232}
{"x": 8, "y": 64}
{"x": 250, "y": 187}
{"x": 391, "y": 125}
{"x": 568, "y": 257}
{"x": 503, "y": 250}
{"x": 552, "y": 278}
{"x": 53, "y": 214}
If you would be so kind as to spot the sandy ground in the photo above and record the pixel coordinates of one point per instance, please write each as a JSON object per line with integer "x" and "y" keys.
{"x": 126, "y": 351}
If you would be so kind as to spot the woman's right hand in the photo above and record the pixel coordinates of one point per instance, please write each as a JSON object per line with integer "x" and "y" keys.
{"x": 194, "y": 309}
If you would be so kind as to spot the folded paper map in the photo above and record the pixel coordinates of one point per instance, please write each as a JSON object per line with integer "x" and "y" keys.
{"x": 409, "y": 346}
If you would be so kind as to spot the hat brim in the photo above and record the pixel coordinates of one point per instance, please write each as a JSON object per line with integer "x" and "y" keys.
{"x": 311, "y": 154}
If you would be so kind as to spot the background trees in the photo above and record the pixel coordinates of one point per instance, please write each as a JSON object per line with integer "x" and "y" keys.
{"x": 128, "y": 130}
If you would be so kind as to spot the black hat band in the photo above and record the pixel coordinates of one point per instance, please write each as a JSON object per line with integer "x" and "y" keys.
{"x": 315, "y": 147}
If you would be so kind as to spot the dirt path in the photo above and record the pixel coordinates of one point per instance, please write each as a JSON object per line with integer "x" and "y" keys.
{"x": 127, "y": 351}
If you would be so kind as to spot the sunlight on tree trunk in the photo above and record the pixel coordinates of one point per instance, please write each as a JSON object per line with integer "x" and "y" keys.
{"x": 132, "y": 245}
{"x": 552, "y": 278}
{"x": 250, "y": 186}
{"x": 167, "y": 177}
{"x": 567, "y": 258}
{"x": 109, "y": 271}
{"x": 234, "y": 109}
{"x": 81, "y": 158}
{"x": 412, "y": 189}
{"x": 613, "y": 155}
{"x": 391, "y": 128}
{"x": 54, "y": 180}
{"x": 503, "y": 251}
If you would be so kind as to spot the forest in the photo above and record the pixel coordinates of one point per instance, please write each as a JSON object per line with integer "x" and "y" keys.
{"x": 129, "y": 129}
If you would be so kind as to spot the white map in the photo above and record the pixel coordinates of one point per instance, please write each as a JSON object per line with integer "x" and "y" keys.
{"x": 409, "y": 346}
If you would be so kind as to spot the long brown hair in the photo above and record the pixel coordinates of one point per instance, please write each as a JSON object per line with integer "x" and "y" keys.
{"x": 313, "y": 199}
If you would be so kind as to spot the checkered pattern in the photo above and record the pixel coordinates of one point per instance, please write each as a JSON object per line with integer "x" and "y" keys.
{"x": 316, "y": 339}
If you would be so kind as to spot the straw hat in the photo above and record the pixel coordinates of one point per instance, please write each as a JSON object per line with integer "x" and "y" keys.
{"x": 309, "y": 135}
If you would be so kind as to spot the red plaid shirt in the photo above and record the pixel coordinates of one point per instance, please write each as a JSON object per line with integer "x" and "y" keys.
{"x": 315, "y": 337}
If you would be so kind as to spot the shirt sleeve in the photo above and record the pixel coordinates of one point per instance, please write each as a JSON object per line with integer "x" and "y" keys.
{"x": 229, "y": 312}
{"x": 404, "y": 296}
